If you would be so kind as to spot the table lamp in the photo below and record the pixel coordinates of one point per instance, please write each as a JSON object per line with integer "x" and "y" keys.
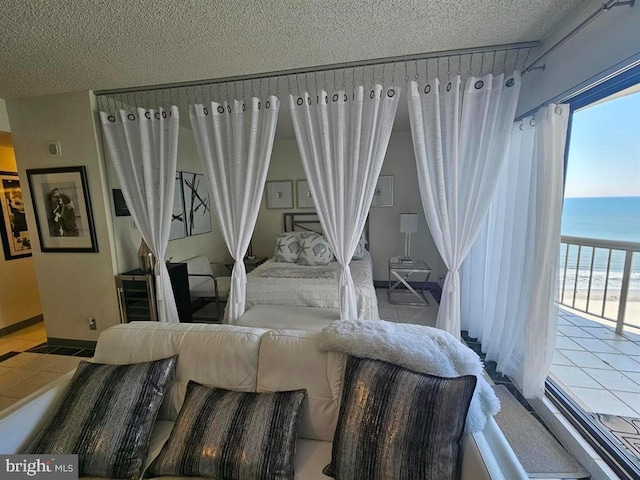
{"x": 408, "y": 225}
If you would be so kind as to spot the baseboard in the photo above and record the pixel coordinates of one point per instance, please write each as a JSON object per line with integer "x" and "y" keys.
{"x": 432, "y": 287}
{"x": 69, "y": 342}
{"x": 20, "y": 325}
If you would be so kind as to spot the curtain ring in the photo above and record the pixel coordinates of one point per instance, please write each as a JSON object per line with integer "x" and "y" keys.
{"x": 521, "y": 126}
{"x": 558, "y": 110}
{"x": 532, "y": 122}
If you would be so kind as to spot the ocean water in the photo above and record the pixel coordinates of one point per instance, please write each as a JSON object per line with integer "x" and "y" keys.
{"x": 602, "y": 218}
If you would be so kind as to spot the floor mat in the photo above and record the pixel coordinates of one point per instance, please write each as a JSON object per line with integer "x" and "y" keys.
{"x": 540, "y": 454}
{"x": 625, "y": 429}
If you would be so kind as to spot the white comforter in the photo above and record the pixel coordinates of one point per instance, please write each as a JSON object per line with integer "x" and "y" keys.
{"x": 277, "y": 283}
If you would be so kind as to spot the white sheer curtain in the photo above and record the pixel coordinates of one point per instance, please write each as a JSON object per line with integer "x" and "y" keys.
{"x": 509, "y": 278}
{"x": 342, "y": 143}
{"x": 144, "y": 150}
{"x": 459, "y": 140}
{"x": 234, "y": 142}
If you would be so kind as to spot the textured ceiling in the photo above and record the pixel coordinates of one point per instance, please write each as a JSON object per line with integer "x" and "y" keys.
{"x": 50, "y": 46}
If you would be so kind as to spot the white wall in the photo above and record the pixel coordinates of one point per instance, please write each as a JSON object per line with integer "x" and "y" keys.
{"x": 611, "y": 39}
{"x": 384, "y": 222}
{"x": 19, "y": 296}
{"x": 73, "y": 286}
{"x": 127, "y": 237}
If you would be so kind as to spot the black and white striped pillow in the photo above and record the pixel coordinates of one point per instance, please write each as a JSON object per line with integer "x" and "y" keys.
{"x": 398, "y": 424}
{"x": 232, "y": 435}
{"x": 106, "y": 417}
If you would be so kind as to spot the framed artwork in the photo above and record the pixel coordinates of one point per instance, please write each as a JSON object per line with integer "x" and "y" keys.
{"x": 13, "y": 224}
{"x": 383, "y": 193}
{"x": 280, "y": 194}
{"x": 303, "y": 194}
{"x": 197, "y": 205}
{"x": 178, "y": 217}
{"x": 62, "y": 208}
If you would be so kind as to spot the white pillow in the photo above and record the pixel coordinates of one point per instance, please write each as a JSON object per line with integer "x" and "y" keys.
{"x": 287, "y": 247}
{"x": 314, "y": 250}
{"x": 361, "y": 248}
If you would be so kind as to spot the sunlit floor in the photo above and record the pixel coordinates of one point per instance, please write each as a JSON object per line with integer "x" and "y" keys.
{"x": 24, "y": 339}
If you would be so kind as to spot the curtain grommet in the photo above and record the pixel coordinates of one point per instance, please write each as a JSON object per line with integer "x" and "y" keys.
{"x": 558, "y": 109}
{"x": 156, "y": 115}
{"x": 479, "y": 84}
{"x": 229, "y": 108}
{"x": 532, "y": 122}
{"x": 220, "y": 109}
{"x": 147, "y": 115}
{"x": 206, "y": 112}
{"x": 427, "y": 89}
{"x": 391, "y": 92}
{"x": 309, "y": 100}
{"x": 371, "y": 95}
{"x": 164, "y": 114}
{"x": 510, "y": 83}
{"x": 111, "y": 118}
{"x": 335, "y": 97}
{"x": 346, "y": 99}
{"x": 449, "y": 87}
{"x": 131, "y": 117}
{"x": 244, "y": 107}
{"x": 299, "y": 101}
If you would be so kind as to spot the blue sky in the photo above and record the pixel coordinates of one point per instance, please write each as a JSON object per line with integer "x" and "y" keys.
{"x": 604, "y": 153}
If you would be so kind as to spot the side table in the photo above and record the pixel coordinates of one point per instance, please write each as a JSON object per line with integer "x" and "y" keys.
{"x": 399, "y": 273}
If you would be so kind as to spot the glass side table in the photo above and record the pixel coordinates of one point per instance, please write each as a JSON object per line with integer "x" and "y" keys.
{"x": 400, "y": 273}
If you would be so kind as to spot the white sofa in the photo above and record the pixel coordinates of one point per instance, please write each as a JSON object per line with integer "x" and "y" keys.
{"x": 243, "y": 359}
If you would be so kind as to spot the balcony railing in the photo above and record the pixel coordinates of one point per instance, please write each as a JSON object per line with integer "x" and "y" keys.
{"x": 596, "y": 277}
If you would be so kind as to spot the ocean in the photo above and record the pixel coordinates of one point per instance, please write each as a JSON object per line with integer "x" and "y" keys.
{"x": 602, "y": 218}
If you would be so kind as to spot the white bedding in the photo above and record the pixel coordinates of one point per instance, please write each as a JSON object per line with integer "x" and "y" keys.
{"x": 278, "y": 283}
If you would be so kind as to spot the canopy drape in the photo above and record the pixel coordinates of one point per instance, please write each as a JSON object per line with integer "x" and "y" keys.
{"x": 460, "y": 139}
{"x": 510, "y": 277}
{"x": 342, "y": 143}
{"x": 144, "y": 150}
{"x": 234, "y": 142}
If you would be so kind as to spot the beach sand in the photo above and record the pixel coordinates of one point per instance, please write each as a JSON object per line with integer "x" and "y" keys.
{"x": 612, "y": 304}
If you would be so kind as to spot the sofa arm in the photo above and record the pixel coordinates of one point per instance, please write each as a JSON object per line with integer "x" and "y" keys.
{"x": 20, "y": 422}
{"x": 488, "y": 455}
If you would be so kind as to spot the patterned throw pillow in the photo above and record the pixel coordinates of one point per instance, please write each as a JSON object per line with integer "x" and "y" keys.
{"x": 361, "y": 248}
{"x": 287, "y": 247}
{"x": 232, "y": 435}
{"x": 394, "y": 420}
{"x": 106, "y": 417}
{"x": 314, "y": 250}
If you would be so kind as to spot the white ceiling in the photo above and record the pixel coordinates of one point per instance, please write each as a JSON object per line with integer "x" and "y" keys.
{"x": 51, "y": 46}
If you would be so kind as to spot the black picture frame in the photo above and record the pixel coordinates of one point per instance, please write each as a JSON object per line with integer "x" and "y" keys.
{"x": 16, "y": 241}
{"x": 62, "y": 208}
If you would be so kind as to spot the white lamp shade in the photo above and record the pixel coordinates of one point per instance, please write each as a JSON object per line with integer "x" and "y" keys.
{"x": 408, "y": 223}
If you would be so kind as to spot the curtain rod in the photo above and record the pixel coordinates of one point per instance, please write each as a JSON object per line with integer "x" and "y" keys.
{"x": 324, "y": 68}
{"x": 605, "y": 7}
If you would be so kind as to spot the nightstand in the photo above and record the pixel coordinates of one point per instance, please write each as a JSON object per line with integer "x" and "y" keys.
{"x": 400, "y": 273}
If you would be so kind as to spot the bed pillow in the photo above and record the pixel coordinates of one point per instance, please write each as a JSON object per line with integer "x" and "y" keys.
{"x": 314, "y": 250}
{"x": 395, "y": 420}
{"x": 232, "y": 435}
{"x": 287, "y": 247}
{"x": 106, "y": 417}
{"x": 361, "y": 248}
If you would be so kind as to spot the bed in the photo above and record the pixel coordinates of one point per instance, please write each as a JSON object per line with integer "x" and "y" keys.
{"x": 291, "y": 284}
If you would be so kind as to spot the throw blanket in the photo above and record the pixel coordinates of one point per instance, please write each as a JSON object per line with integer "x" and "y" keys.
{"x": 418, "y": 348}
{"x": 278, "y": 271}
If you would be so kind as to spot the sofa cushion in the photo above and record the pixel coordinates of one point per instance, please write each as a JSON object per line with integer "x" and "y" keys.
{"x": 232, "y": 435}
{"x": 106, "y": 417}
{"x": 287, "y": 247}
{"x": 395, "y": 420}
{"x": 290, "y": 360}
{"x": 314, "y": 250}
{"x": 223, "y": 356}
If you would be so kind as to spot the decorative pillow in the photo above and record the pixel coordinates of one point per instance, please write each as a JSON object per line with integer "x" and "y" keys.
{"x": 232, "y": 435}
{"x": 361, "y": 249}
{"x": 394, "y": 420}
{"x": 314, "y": 250}
{"x": 287, "y": 247}
{"x": 106, "y": 417}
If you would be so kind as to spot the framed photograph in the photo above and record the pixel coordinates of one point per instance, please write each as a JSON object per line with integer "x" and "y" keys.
{"x": 197, "y": 205}
{"x": 13, "y": 224}
{"x": 303, "y": 194}
{"x": 280, "y": 194}
{"x": 383, "y": 193}
{"x": 62, "y": 208}
{"x": 178, "y": 217}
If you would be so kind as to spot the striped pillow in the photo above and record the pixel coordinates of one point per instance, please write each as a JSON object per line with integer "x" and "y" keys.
{"x": 106, "y": 417}
{"x": 232, "y": 435}
{"x": 399, "y": 424}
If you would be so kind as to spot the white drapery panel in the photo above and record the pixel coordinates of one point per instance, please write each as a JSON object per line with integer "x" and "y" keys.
{"x": 144, "y": 150}
{"x": 234, "y": 142}
{"x": 342, "y": 143}
{"x": 459, "y": 139}
{"x": 510, "y": 277}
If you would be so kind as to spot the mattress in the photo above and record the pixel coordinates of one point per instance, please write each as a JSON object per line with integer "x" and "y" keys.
{"x": 279, "y": 283}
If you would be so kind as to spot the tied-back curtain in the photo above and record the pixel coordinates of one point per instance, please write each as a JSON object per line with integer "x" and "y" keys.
{"x": 510, "y": 277}
{"x": 234, "y": 142}
{"x": 342, "y": 143}
{"x": 460, "y": 138}
{"x": 144, "y": 150}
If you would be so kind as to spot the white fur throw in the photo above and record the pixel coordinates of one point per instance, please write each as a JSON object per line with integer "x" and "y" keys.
{"x": 418, "y": 348}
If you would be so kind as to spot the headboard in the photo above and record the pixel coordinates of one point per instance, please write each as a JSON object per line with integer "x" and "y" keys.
{"x": 309, "y": 222}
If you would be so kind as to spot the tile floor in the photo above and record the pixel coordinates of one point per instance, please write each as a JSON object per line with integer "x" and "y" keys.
{"x": 597, "y": 367}
{"x": 24, "y": 339}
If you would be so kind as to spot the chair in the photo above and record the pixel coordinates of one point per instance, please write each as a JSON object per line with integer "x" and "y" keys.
{"x": 205, "y": 288}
